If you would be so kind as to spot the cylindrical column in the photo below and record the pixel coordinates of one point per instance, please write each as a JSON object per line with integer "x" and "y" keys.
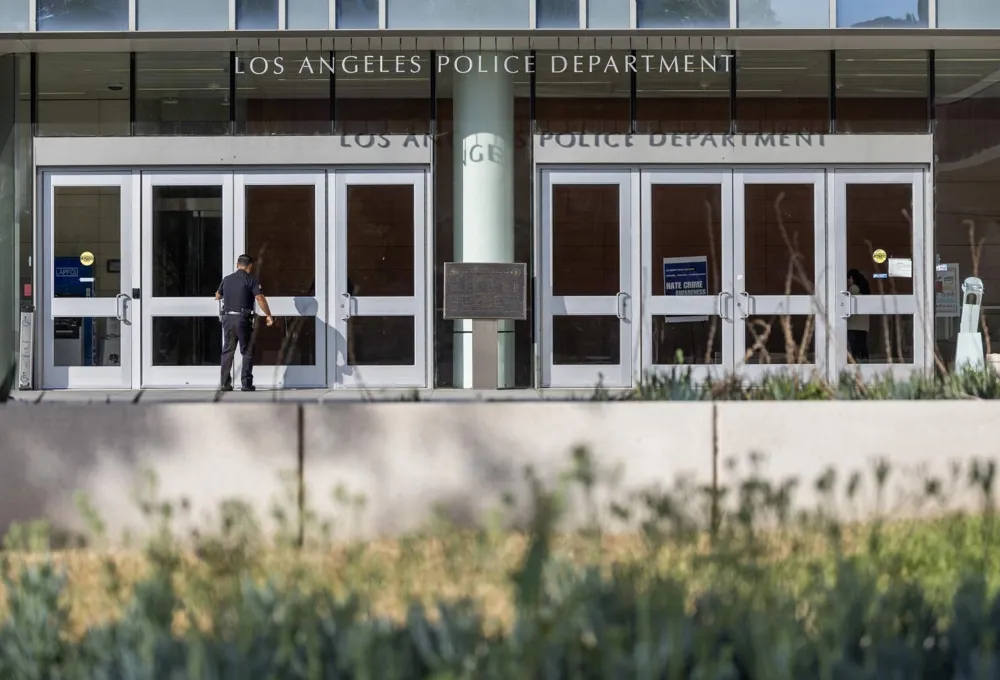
{"x": 483, "y": 191}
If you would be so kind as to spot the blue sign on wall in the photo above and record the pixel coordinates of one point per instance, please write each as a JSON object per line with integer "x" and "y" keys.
{"x": 73, "y": 279}
{"x": 685, "y": 276}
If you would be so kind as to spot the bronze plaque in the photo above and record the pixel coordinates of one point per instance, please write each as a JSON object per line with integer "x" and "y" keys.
{"x": 474, "y": 290}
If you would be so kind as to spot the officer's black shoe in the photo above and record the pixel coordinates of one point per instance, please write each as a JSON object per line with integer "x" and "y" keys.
{"x": 248, "y": 388}
{"x": 226, "y": 388}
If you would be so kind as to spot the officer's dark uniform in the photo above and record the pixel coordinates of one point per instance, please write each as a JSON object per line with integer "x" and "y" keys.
{"x": 238, "y": 292}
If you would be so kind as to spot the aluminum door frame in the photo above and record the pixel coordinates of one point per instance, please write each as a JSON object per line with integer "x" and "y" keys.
{"x": 122, "y": 307}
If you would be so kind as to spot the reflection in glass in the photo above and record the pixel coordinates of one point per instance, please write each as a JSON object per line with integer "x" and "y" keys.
{"x": 187, "y": 341}
{"x": 380, "y": 240}
{"x": 581, "y": 340}
{"x": 688, "y": 14}
{"x": 571, "y": 98}
{"x": 294, "y": 102}
{"x": 182, "y": 15}
{"x": 883, "y": 92}
{"x": 783, "y": 340}
{"x": 783, "y": 92}
{"x": 783, "y": 13}
{"x": 82, "y": 15}
{"x": 686, "y": 221}
{"x": 257, "y": 14}
{"x": 684, "y": 100}
{"x": 182, "y": 93}
{"x": 438, "y": 14}
{"x": 86, "y": 342}
{"x": 357, "y": 13}
{"x": 83, "y": 95}
{"x": 968, "y": 14}
{"x": 306, "y": 14}
{"x": 14, "y": 15}
{"x": 887, "y": 340}
{"x": 608, "y": 13}
{"x": 780, "y": 238}
{"x": 586, "y": 237}
{"x": 281, "y": 238}
{"x": 373, "y": 102}
{"x": 86, "y": 220}
{"x": 291, "y": 341}
{"x": 687, "y": 340}
{"x": 882, "y": 13}
{"x": 187, "y": 241}
{"x": 557, "y": 13}
{"x": 381, "y": 341}
{"x": 879, "y": 217}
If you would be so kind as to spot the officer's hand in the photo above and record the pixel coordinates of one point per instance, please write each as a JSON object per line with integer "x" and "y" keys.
{"x": 270, "y": 322}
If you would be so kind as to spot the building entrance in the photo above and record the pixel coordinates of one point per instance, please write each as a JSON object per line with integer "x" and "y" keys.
{"x": 343, "y": 277}
{"x": 730, "y": 272}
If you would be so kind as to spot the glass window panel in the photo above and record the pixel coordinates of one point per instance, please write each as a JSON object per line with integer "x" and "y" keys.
{"x": 86, "y": 220}
{"x": 357, "y": 13}
{"x": 881, "y": 339}
{"x": 82, "y": 15}
{"x": 783, "y": 92}
{"x": 291, "y": 341}
{"x": 687, "y": 340}
{"x": 879, "y": 218}
{"x": 257, "y": 14}
{"x": 880, "y": 92}
{"x": 964, "y": 14}
{"x": 780, "y": 238}
{"x": 608, "y": 13}
{"x": 385, "y": 93}
{"x": 284, "y": 94}
{"x": 182, "y": 15}
{"x": 305, "y": 14}
{"x": 381, "y": 341}
{"x": 87, "y": 341}
{"x": 582, "y": 340}
{"x": 882, "y": 13}
{"x": 557, "y": 13}
{"x": 685, "y": 100}
{"x": 13, "y": 15}
{"x": 187, "y": 241}
{"x": 24, "y": 159}
{"x": 438, "y": 14}
{"x": 281, "y": 238}
{"x": 782, "y": 340}
{"x": 783, "y": 13}
{"x": 187, "y": 341}
{"x": 686, "y": 221}
{"x": 380, "y": 240}
{"x": 688, "y": 14}
{"x": 575, "y": 93}
{"x": 182, "y": 93}
{"x": 83, "y": 95}
{"x": 586, "y": 237}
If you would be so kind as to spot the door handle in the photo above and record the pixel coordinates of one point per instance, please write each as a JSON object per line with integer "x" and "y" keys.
{"x": 120, "y": 302}
{"x": 845, "y": 304}
{"x": 746, "y": 307}
{"x": 722, "y": 304}
{"x": 622, "y": 305}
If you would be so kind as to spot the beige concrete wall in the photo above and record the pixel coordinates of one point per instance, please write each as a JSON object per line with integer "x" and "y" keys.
{"x": 410, "y": 460}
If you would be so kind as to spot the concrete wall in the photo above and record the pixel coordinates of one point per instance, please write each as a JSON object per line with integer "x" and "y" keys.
{"x": 412, "y": 460}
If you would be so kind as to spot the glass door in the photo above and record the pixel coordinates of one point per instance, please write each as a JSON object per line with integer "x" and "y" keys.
{"x": 280, "y": 221}
{"x": 588, "y": 327}
{"x": 378, "y": 298}
{"x": 779, "y": 267}
{"x": 89, "y": 309}
{"x": 687, "y": 274}
{"x": 878, "y": 219}
{"x": 187, "y": 247}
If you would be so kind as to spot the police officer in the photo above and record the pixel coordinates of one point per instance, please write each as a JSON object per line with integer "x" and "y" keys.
{"x": 238, "y": 292}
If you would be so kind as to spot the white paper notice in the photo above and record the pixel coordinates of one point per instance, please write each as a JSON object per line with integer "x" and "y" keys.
{"x": 900, "y": 268}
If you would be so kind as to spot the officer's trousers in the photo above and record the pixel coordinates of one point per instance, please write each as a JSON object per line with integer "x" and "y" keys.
{"x": 237, "y": 329}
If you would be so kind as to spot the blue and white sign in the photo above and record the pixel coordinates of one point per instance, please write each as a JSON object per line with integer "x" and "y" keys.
{"x": 685, "y": 276}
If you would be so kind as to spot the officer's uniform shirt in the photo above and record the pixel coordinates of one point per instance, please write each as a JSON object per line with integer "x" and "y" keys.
{"x": 239, "y": 290}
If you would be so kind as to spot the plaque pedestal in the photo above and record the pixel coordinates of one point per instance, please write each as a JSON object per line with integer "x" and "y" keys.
{"x": 485, "y": 354}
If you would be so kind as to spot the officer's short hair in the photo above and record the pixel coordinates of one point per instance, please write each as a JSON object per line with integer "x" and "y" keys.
{"x": 244, "y": 261}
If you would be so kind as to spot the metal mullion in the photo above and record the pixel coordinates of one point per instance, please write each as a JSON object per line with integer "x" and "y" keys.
{"x": 333, "y": 91}
{"x": 832, "y": 92}
{"x": 732, "y": 93}
{"x": 132, "y": 80}
{"x": 931, "y": 90}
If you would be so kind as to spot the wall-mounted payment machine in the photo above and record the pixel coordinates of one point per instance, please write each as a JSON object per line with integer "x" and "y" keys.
{"x": 75, "y": 340}
{"x": 969, "y": 352}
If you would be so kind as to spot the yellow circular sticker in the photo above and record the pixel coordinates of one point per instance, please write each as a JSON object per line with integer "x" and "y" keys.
{"x": 879, "y": 256}
{"x": 87, "y": 258}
